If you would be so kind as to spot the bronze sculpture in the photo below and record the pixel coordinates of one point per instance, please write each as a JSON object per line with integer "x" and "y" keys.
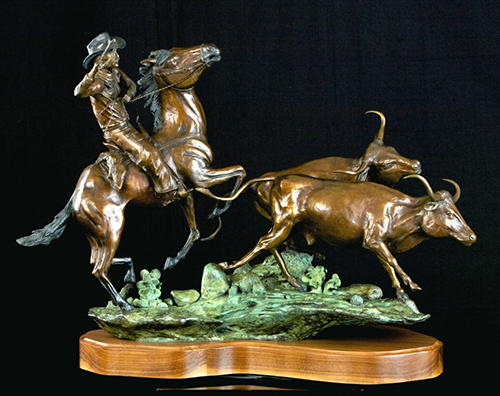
{"x": 180, "y": 125}
{"x": 380, "y": 164}
{"x": 106, "y": 187}
{"x": 333, "y": 198}
{"x": 381, "y": 219}
{"x": 102, "y": 86}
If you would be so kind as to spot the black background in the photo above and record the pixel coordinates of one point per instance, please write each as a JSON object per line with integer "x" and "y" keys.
{"x": 295, "y": 80}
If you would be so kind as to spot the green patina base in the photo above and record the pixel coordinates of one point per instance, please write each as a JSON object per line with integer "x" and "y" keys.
{"x": 253, "y": 303}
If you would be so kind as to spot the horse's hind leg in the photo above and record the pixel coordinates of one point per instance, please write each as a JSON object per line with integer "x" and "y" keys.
{"x": 103, "y": 249}
{"x": 101, "y": 272}
{"x": 104, "y": 259}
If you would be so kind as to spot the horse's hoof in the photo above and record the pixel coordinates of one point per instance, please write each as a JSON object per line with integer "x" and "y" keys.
{"x": 126, "y": 307}
{"x": 130, "y": 277}
{"x": 170, "y": 263}
{"x": 216, "y": 212}
{"x": 224, "y": 265}
{"x": 319, "y": 256}
{"x": 401, "y": 294}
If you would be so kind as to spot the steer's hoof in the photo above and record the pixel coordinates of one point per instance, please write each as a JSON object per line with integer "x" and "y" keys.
{"x": 297, "y": 284}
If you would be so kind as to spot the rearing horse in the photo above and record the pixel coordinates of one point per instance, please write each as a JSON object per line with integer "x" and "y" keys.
{"x": 180, "y": 124}
{"x": 180, "y": 127}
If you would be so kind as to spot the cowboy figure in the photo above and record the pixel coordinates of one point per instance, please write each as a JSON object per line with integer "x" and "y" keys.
{"x": 102, "y": 86}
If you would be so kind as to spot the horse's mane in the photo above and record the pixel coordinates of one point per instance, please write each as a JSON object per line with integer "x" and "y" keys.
{"x": 149, "y": 85}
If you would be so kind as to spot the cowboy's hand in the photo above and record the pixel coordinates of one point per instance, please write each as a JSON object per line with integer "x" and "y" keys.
{"x": 93, "y": 71}
{"x": 126, "y": 98}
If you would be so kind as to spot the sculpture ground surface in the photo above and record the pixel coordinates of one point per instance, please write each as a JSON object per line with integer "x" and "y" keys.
{"x": 255, "y": 303}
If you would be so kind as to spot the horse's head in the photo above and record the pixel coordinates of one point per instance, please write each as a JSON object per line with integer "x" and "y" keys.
{"x": 179, "y": 67}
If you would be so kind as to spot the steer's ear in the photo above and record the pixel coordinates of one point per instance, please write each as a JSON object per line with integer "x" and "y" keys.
{"x": 430, "y": 206}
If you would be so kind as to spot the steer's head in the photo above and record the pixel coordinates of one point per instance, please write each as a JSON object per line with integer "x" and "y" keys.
{"x": 387, "y": 166}
{"x": 441, "y": 217}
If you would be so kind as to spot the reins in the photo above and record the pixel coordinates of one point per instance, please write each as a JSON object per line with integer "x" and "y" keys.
{"x": 195, "y": 69}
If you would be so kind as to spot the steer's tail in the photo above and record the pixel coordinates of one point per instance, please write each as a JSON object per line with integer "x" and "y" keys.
{"x": 51, "y": 231}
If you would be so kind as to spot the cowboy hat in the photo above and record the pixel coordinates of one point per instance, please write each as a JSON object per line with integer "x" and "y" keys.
{"x": 99, "y": 44}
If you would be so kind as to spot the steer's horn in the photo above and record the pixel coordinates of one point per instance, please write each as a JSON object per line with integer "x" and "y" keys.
{"x": 456, "y": 197}
{"x": 425, "y": 183}
{"x": 380, "y": 134}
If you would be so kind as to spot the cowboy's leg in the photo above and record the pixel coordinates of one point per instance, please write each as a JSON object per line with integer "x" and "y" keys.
{"x": 148, "y": 157}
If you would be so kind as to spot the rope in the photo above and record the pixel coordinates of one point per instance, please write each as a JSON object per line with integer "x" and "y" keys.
{"x": 169, "y": 86}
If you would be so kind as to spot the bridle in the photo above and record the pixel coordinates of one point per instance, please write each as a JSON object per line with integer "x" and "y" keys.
{"x": 194, "y": 70}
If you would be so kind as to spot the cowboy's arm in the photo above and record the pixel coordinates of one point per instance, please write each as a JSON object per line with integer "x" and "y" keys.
{"x": 88, "y": 86}
{"x": 132, "y": 87}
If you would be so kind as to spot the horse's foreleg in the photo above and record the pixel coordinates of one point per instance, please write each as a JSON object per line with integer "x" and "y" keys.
{"x": 187, "y": 206}
{"x": 130, "y": 275}
{"x": 216, "y": 212}
{"x": 207, "y": 177}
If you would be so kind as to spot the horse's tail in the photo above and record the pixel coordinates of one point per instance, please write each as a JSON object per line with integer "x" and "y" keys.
{"x": 249, "y": 183}
{"x": 51, "y": 231}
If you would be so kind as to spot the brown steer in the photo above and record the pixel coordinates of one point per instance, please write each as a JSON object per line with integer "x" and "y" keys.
{"x": 377, "y": 217}
{"x": 380, "y": 164}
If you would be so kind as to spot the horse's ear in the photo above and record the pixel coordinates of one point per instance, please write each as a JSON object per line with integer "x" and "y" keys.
{"x": 156, "y": 58}
{"x": 160, "y": 56}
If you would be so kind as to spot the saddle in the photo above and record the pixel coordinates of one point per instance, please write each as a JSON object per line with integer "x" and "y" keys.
{"x": 113, "y": 164}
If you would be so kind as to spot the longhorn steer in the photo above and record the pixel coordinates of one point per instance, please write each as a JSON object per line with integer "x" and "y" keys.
{"x": 380, "y": 163}
{"x": 377, "y": 217}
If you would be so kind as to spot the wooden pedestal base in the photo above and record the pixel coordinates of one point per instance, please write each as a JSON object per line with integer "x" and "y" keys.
{"x": 356, "y": 355}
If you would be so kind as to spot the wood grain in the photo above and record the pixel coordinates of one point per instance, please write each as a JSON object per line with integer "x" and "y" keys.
{"x": 367, "y": 355}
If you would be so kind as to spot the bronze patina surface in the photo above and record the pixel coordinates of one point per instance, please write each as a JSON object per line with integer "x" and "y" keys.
{"x": 258, "y": 303}
{"x": 141, "y": 169}
{"x": 376, "y": 217}
{"x": 343, "y": 201}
